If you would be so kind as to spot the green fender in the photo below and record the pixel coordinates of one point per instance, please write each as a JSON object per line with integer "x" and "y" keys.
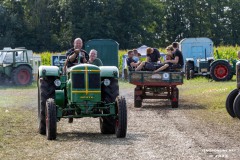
{"x": 109, "y": 71}
{"x": 44, "y": 71}
{"x": 218, "y": 61}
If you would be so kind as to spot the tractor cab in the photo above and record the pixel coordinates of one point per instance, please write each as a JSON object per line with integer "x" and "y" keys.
{"x": 15, "y": 66}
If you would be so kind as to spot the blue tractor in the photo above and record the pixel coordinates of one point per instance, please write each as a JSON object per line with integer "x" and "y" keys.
{"x": 198, "y": 55}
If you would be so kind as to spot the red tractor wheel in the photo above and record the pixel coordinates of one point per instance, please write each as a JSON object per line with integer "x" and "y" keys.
{"x": 221, "y": 71}
{"x": 22, "y": 75}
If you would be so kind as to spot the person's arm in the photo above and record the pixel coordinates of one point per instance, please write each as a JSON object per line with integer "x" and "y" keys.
{"x": 133, "y": 64}
{"x": 165, "y": 66}
{"x": 73, "y": 56}
{"x": 174, "y": 61}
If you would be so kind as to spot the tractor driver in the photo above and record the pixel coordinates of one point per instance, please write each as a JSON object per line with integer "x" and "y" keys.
{"x": 76, "y": 54}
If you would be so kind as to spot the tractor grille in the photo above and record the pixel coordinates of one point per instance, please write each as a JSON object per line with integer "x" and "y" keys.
{"x": 78, "y": 80}
{"x": 94, "y": 81}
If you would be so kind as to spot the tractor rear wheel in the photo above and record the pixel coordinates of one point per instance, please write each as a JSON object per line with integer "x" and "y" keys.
{"x": 22, "y": 75}
{"x": 175, "y": 97}
{"x": 121, "y": 121}
{"x": 46, "y": 89}
{"x": 229, "y": 102}
{"x": 51, "y": 119}
{"x": 221, "y": 71}
{"x": 189, "y": 73}
{"x": 109, "y": 95}
{"x": 236, "y": 106}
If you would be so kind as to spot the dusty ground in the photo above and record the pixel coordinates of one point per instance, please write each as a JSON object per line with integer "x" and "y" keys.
{"x": 155, "y": 131}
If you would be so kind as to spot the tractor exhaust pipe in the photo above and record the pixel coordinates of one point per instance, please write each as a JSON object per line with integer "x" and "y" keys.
{"x": 205, "y": 54}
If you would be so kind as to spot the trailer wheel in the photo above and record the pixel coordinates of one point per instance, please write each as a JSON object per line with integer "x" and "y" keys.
{"x": 221, "y": 71}
{"x": 51, "y": 119}
{"x": 137, "y": 102}
{"x": 46, "y": 89}
{"x": 22, "y": 75}
{"x": 229, "y": 102}
{"x": 109, "y": 95}
{"x": 175, "y": 97}
{"x": 121, "y": 121}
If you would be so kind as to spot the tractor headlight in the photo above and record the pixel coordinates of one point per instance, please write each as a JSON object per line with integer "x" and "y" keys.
{"x": 106, "y": 82}
{"x": 57, "y": 83}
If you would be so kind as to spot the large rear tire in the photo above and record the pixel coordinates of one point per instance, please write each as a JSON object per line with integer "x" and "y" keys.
{"x": 51, "y": 119}
{"x": 189, "y": 72}
{"x": 22, "y": 75}
{"x": 109, "y": 95}
{"x": 121, "y": 121}
{"x": 221, "y": 71}
{"x": 236, "y": 106}
{"x": 229, "y": 102}
{"x": 46, "y": 89}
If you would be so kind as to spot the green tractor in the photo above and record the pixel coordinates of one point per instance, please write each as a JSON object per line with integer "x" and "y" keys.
{"x": 15, "y": 66}
{"x": 233, "y": 99}
{"x": 85, "y": 90}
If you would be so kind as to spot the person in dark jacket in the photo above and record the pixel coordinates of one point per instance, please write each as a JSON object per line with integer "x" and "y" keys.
{"x": 76, "y": 55}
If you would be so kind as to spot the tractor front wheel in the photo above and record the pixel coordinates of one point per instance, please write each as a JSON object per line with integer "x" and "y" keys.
{"x": 229, "y": 102}
{"x": 121, "y": 121}
{"x": 221, "y": 71}
{"x": 22, "y": 75}
{"x": 51, "y": 119}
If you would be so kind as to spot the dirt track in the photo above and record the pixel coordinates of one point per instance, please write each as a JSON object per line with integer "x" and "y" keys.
{"x": 155, "y": 131}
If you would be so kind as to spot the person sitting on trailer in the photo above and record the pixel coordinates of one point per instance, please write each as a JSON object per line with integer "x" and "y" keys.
{"x": 136, "y": 56}
{"x": 131, "y": 63}
{"x": 153, "y": 57}
{"x": 178, "y": 57}
{"x": 166, "y": 65}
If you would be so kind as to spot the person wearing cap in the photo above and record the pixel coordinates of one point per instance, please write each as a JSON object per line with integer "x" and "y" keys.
{"x": 166, "y": 65}
{"x": 153, "y": 56}
{"x": 131, "y": 63}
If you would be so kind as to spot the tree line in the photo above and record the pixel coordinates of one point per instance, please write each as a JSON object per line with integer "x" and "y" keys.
{"x": 51, "y": 25}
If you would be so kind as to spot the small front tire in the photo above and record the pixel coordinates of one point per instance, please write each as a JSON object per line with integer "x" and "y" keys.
{"x": 51, "y": 119}
{"x": 121, "y": 121}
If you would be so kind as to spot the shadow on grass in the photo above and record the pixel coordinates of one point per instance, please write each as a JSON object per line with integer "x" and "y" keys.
{"x": 97, "y": 137}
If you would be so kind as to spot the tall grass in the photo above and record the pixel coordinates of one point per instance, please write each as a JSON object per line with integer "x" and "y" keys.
{"x": 226, "y": 52}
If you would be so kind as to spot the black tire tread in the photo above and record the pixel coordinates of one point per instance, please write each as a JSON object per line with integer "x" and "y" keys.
{"x": 229, "y": 102}
{"x": 51, "y": 128}
{"x": 121, "y": 129}
{"x": 46, "y": 89}
{"x": 109, "y": 95}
